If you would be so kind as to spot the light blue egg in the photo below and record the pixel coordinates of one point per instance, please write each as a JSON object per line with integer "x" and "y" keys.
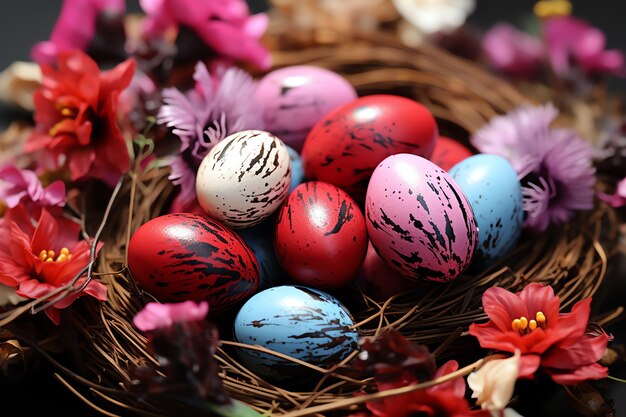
{"x": 492, "y": 188}
{"x": 301, "y": 322}
{"x": 297, "y": 170}
{"x": 260, "y": 239}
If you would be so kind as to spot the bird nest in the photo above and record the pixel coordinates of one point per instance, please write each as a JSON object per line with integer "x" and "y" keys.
{"x": 463, "y": 97}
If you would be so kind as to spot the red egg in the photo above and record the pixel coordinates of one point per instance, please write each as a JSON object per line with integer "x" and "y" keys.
{"x": 449, "y": 152}
{"x": 346, "y": 145}
{"x": 178, "y": 257}
{"x": 320, "y": 237}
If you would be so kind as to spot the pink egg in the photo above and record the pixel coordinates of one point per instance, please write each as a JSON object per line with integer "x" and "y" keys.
{"x": 295, "y": 98}
{"x": 419, "y": 220}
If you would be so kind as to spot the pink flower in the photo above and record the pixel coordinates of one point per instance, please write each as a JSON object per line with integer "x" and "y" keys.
{"x": 23, "y": 186}
{"x": 225, "y": 26}
{"x": 157, "y": 316}
{"x": 529, "y": 321}
{"x": 554, "y": 165}
{"x": 203, "y": 116}
{"x": 512, "y": 51}
{"x": 618, "y": 199}
{"x": 569, "y": 39}
{"x": 75, "y": 28}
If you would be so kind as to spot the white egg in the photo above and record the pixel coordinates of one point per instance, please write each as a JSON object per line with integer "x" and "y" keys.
{"x": 244, "y": 178}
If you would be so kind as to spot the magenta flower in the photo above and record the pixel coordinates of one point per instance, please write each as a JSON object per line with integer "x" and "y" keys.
{"x": 75, "y": 28}
{"x": 23, "y": 186}
{"x": 569, "y": 39}
{"x": 617, "y": 199}
{"x": 158, "y": 316}
{"x": 512, "y": 51}
{"x": 225, "y": 26}
{"x": 554, "y": 165}
{"x": 202, "y": 117}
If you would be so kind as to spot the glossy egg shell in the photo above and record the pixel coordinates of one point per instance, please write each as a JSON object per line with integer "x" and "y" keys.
{"x": 297, "y": 170}
{"x": 449, "y": 152}
{"x": 491, "y": 185}
{"x": 300, "y": 322}
{"x": 345, "y": 147}
{"x": 295, "y": 98}
{"x": 260, "y": 239}
{"x": 320, "y": 237}
{"x": 178, "y": 257}
{"x": 244, "y": 178}
{"x": 419, "y": 220}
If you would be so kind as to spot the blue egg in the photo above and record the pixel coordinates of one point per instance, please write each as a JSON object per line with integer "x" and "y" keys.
{"x": 297, "y": 170}
{"x": 301, "y": 322}
{"x": 492, "y": 188}
{"x": 260, "y": 239}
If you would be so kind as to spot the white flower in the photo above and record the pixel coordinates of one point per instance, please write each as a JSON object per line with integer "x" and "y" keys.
{"x": 494, "y": 382}
{"x": 8, "y": 296}
{"x": 431, "y": 16}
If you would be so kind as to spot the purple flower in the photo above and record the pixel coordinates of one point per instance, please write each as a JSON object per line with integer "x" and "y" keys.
{"x": 75, "y": 28}
{"x": 157, "y": 316}
{"x": 573, "y": 40}
{"x": 512, "y": 51}
{"x": 202, "y": 117}
{"x": 554, "y": 165}
{"x": 225, "y": 26}
{"x": 617, "y": 199}
{"x": 23, "y": 186}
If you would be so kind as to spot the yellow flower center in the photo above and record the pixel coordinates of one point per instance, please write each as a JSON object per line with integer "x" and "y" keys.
{"x": 524, "y": 326}
{"x": 49, "y": 255}
{"x": 548, "y": 8}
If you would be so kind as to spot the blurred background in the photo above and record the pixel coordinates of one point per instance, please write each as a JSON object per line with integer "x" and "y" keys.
{"x": 24, "y": 22}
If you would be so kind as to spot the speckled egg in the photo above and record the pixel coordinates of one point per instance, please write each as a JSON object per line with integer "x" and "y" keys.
{"x": 491, "y": 185}
{"x": 449, "y": 152}
{"x": 295, "y": 98}
{"x": 419, "y": 220}
{"x": 320, "y": 237}
{"x": 304, "y": 323}
{"x": 297, "y": 170}
{"x": 345, "y": 147}
{"x": 260, "y": 239}
{"x": 244, "y": 178}
{"x": 178, "y": 257}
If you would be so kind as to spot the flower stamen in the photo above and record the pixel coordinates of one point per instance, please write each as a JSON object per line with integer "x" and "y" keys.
{"x": 524, "y": 326}
{"x": 49, "y": 255}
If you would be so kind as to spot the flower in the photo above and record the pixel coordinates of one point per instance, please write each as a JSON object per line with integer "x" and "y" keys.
{"x": 8, "y": 296}
{"x": 529, "y": 321}
{"x": 202, "y": 117}
{"x": 21, "y": 186}
{"x": 76, "y": 117}
{"x": 554, "y": 165}
{"x": 493, "y": 384}
{"x": 431, "y": 16}
{"x": 76, "y": 27}
{"x": 157, "y": 315}
{"x": 571, "y": 40}
{"x": 39, "y": 259}
{"x": 225, "y": 26}
{"x": 618, "y": 199}
{"x": 512, "y": 51}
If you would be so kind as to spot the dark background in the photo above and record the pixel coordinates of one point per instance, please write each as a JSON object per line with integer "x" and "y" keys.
{"x": 24, "y": 22}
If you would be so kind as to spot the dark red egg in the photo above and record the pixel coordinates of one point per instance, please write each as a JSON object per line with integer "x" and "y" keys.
{"x": 178, "y": 257}
{"x": 345, "y": 146}
{"x": 449, "y": 152}
{"x": 321, "y": 237}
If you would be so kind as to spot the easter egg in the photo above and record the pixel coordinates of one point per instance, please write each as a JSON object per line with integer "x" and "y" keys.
{"x": 303, "y": 323}
{"x": 449, "y": 152}
{"x": 320, "y": 237}
{"x": 178, "y": 257}
{"x": 419, "y": 220}
{"x": 295, "y": 98}
{"x": 345, "y": 147}
{"x": 260, "y": 239}
{"x": 492, "y": 188}
{"x": 244, "y": 178}
{"x": 297, "y": 170}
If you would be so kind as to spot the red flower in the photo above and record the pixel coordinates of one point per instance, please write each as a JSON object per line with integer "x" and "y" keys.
{"x": 530, "y": 321}
{"x": 76, "y": 117}
{"x": 37, "y": 260}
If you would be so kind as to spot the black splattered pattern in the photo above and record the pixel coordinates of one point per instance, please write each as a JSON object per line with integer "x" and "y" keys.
{"x": 179, "y": 257}
{"x": 244, "y": 178}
